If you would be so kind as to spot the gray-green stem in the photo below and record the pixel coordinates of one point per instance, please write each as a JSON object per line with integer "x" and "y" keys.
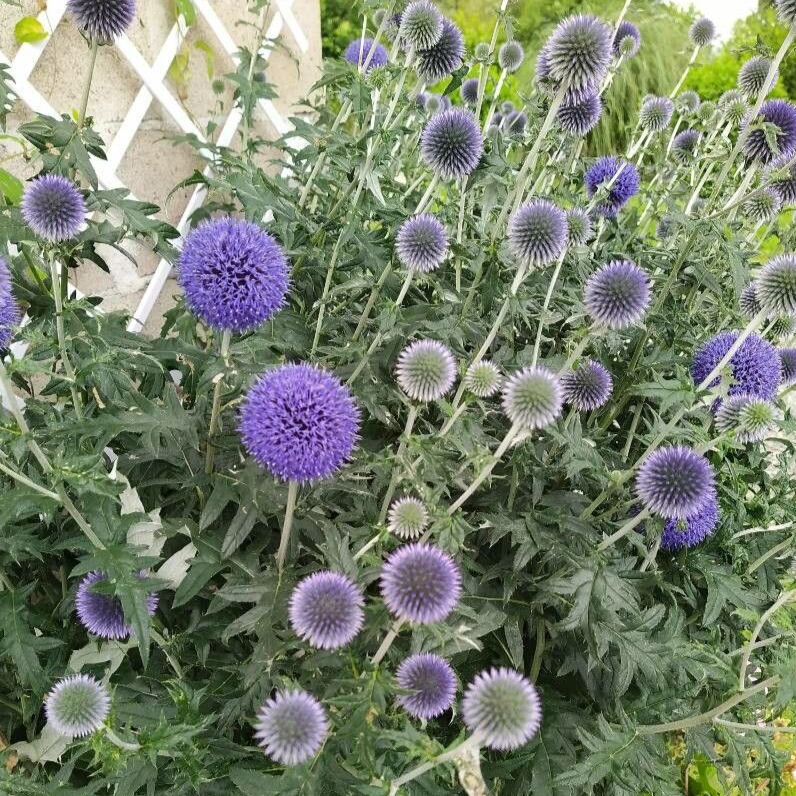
{"x": 215, "y": 412}
{"x": 784, "y": 598}
{"x": 287, "y": 525}
{"x": 407, "y": 433}
{"x": 81, "y": 114}
{"x": 60, "y": 332}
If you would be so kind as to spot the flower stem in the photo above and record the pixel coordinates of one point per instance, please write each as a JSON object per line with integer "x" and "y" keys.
{"x": 687, "y": 69}
{"x": 624, "y": 530}
{"x": 81, "y": 114}
{"x": 287, "y": 525}
{"x": 495, "y": 96}
{"x": 543, "y": 315}
{"x": 427, "y": 196}
{"x": 374, "y": 295}
{"x": 410, "y": 423}
{"x": 61, "y": 335}
{"x": 22, "y": 479}
{"x": 474, "y": 741}
{"x": 392, "y": 634}
{"x": 215, "y": 411}
{"x": 117, "y": 741}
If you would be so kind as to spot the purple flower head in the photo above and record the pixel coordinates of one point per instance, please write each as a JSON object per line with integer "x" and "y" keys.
{"x": 617, "y": 294}
{"x": 780, "y": 119}
{"x": 514, "y": 124}
{"x": 588, "y": 387}
{"x": 688, "y": 101}
{"x": 578, "y": 226}
{"x": 103, "y": 20}
{"x": 420, "y": 583}
{"x": 510, "y": 56}
{"x": 407, "y": 518}
{"x": 788, "y": 357}
{"x": 451, "y": 143}
{"x": 656, "y": 113}
{"x": 785, "y": 184}
{"x": 291, "y": 727}
{"x": 9, "y": 311}
{"x": 692, "y": 530}
{"x": 507, "y": 107}
{"x": 77, "y": 705}
{"x": 748, "y": 302}
{"x": 53, "y": 207}
{"x": 326, "y": 610}
{"x": 430, "y": 682}
{"x": 234, "y": 274}
{"x": 749, "y": 418}
{"x": 675, "y": 482}
{"x": 483, "y": 379}
{"x": 426, "y": 370}
{"x": 435, "y": 103}
{"x": 421, "y": 243}
{"x": 502, "y": 707}
{"x": 627, "y": 39}
{"x": 786, "y": 10}
{"x": 102, "y": 614}
{"x": 579, "y": 116}
{"x": 702, "y": 32}
{"x": 624, "y": 187}
{"x": 359, "y": 50}
{"x": 733, "y": 105}
{"x": 299, "y": 422}
{"x": 469, "y": 92}
{"x": 684, "y": 145}
{"x": 763, "y": 205}
{"x": 753, "y": 74}
{"x": 537, "y": 232}
{"x": 776, "y": 285}
{"x": 532, "y": 397}
{"x": 579, "y": 52}
{"x": 444, "y": 57}
{"x": 542, "y": 70}
{"x": 421, "y": 25}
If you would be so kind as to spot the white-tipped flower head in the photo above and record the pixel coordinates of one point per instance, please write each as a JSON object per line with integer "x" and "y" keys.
{"x": 532, "y": 397}
{"x": 537, "y": 232}
{"x": 579, "y": 52}
{"x": 578, "y": 226}
{"x": 786, "y": 11}
{"x": 510, "y": 56}
{"x": 426, "y": 370}
{"x": 776, "y": 285}
{"x": 77, "y": 705}
{"x": 733, "y": 105}
{"x": 702, "y": 32}
{"x": 421, "y": 25}
{"x": 763, "y": 205}
{"x": 482, "y": 51}
{"x": 407, "y": 518}
{"x": 421, "y": 243}
{"x": 753, "y": 75}
{"x": 748, "y": 417}
{"x": 655, "y": 114}
{"x": 748, "y": 302}
{"x": 483, "y": 379}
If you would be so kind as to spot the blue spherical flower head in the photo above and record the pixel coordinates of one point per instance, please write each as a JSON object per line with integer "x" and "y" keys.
{"x": 627, "y": 39}
{"x": 684, "y": 145}
{"x": 103, "y": 20}
{"x": 748, "y": 302}
{"x": 580, "y": 115}
{"x": 430, "y": 685}
{"x": 451, "y": 144}
{"x": 578, "y": 226}
{"x": 692, "y": 530}
{"x": 510, "y": 56}
{"x": 359, "y": 50}
{"x": 514, "y": 124}
{"x": 102, "y": 614}
{"x": 579, "y": 52}
{"x": 421, "y": 25}
{"x": 656, "y": 113}
{"x": 502, "y": 708}
{"x": 299, "y": 422}
{"x": 326, "y": 610}
{"x": 755, "y": 367}
{"x": 77, "y": 705}
{"x": 617, "y": 294}
{"x": 788, "y": 357}
{"x": 9, "y": 311}
{"x": 702, "y": 32}
{"x": 537, "y": 232}
{"x": 469, "y": 92}
{"x": 235, "y": 275}
{"x": 786, "y": 11}
{"x": 532, "y": 397}
{"x": 444, "y": 57}
{"x": 291, "y": 727}
{"x": 53, "y": 207}
{"x": 420, "y": 583}
{"x": 588, "y": 387}
{"x": 780, "y": 119}
{"x": 544, "y": 79}
{"x": 784, "y": 179}
{"x": 776, "y": 285}
{"x": 624, "y": 187}
{"x": 507, "y": 107}
{"x": 421, "y": 243}
{"x": 753, "y": 75}
{"x": 675, "y": 482}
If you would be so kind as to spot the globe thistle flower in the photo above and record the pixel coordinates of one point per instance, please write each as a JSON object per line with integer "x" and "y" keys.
{"x": 515, "y": 123}
{"x": 53, "y": 207}
{"x": 748, "y": 302}
{"x": 786, "y": 10}
{"x": 706, "y": 112}
{"x": 759, "y": 146}
{"x": 421, "y": 243}
{"x": 482, "y": 51}
{"x": 77, "y": 705}
{"x": 483, "y": 379}
{"x": 688, "y": 101}
{"x": 542, "y": 74}
{"x": 617, "y": 294}
{"x": 9, "y": 311}
{"x": 776, "y": 285}
{"x": 784, "y": 185}
{"x": 426, "y": 370}
{"x": 537, "y": 232}
{"x": 299, "y": 423}
{"x": 733, "y": 105}
{"x": 763, "y": 205}
{"x": 496, "y": 121}
{"x": 749, "y": 417}
{"x": 588, "y": 387}
{"x": 444, "y": 57}
{"x": 692, "y": 530}
{"x": 625, "y": 186}
{"x": 291, "y": 727}
{"x": 580, "y": 116}
{"x": 675, "y": 482}
{"x": 507, "y": 107}
{"x": 451, "y": 144}
{"x": 684, "y": 145}
{"x": 421, "y": 25}
{"x": 407, "y": 518}
{"x": 469, "y": 92}
{"x": 433, "y": 104}
{"x": 420, "y": 583}
{"x": 627, "y": 40}
{"x": 103, "y": 20}
{"x": 702, "y": 32}
{"x": 359, "y": 50}
{"x": 510, "y": 56}
{"x": 532, "y": 397}
{"x": 430, "y": 683}
{"x": 753, "y": 74}
{"x": 655, "y": 114}
{"x": 102, "y": 614}
{"x": 788, "y": 358}
{"x": 579, "y": 228}
{"x": 665, "y": 227}
{"x": 783, "y": 328}
{"x": 502, "y": 707}
{"x": 579, "y": 52}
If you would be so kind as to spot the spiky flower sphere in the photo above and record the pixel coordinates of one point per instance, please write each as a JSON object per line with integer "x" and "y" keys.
{"x": 733, "y": 105}
{"x": 359, "y": 50}
{"x": 494, "y": 124}
{"x": 426, "y": 370}
{"x": 234, "y": 274}
{"x": 655, "y": 114}
{"x": 624, "y": 187}
{"x": 451, "y": 143}
{"x": 77, "y": 705}
{"x": 544, "y": 79}
{"x": 702, "y": 32}
{"x": 783, "y": 328}
{"x": 421, "y": 243}
{"x": 537, "y": 232}
{"x": 53, "y": 207}
{"x": 444, "y": 57}
{"x": 617, "y": 294}
{"x": 502, "y": 707}
{"x": 688, "y": 101}
{"x": 692, "y": 530}
{"x": 753, "y": 74}
{"x": 776, "y": 285}
{"x": 579, "y": 52}
{"x": 684, "y": 145}
{"x": 102, "y": 614}
{"x": 788, "y": 357}
{"x": 510, "y": 56}
{"x": 483, "y": 379}
{"x": 780, "y": 125}
{"x": 469, "y": 92}
{"x": 579, "y": 228}
{"x": 291, "y": 727}
{"x": 588, "y": 387}
{"x": 421, "y": 25}
{"x": 407, "y": 518}
{"x": 420, "y": 583}
{"x": 482, "y": 51}
{"x": 784, "y": 183}
{"x": 706, "y": 112}
{"x": 748, "y": 417}
{"x": 507, "y": 107}
{"x": 532, "y": 397}
{"x": 430, "y": 685}
{"x": 748, "y": 302}
{"x": 786, "y": 10}
{"x": 326, "y": 610}
{"x": 665, "y": 227}
{"x": 578, "y": 116}
{"x": 9, "y": 311}
{"x": 103, "y": 20}
{"x": 627, "y": 39}
{"x": 433, "y": 104}
{"x": 515, "y": 123}
{"x": 299, "y": 422}
{"x": 675, "y": 482}
{"x": 763, "y": 205}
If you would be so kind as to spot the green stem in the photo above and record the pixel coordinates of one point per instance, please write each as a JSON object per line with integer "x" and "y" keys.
{"x": 538, "y": 653}
{"x": 117, "y": 741}
{"x": 785, "y": 597}
{"x": 61, "y": 335}
{"x": 543, "y": 315}
{"x": 81, "y": 114}
{"x": 624, "y": 530}
{"x": 392, "y": 634}
{"x": 374, "y": 295}
{"x": 215, "y": 412}
{"x": 287, "y": 525}
{"x": 22, "y": 479}
{"x": 396, "y": 472}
